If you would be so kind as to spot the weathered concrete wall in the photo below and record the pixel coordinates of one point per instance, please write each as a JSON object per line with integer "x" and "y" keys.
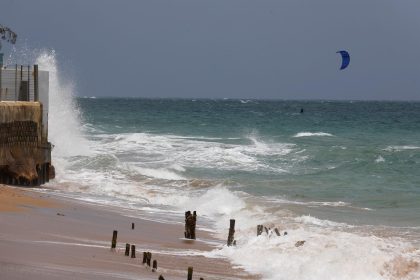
{"x": 24, "y": 149}
{"x": 10, "y": 87}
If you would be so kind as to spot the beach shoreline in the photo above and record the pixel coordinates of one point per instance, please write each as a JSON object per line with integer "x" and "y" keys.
{"x": 45, "y": 236}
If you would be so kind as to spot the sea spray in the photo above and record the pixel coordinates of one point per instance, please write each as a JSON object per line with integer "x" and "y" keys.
{"x": 65, "y": 129}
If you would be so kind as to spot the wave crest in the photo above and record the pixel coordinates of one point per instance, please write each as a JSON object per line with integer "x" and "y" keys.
{"x": 309, "y": 134}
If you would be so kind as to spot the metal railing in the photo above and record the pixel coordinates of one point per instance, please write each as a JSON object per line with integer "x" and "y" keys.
{"x": 19, "y": 83}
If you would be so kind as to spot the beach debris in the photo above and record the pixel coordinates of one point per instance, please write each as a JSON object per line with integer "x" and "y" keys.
{"x": 127, "y": 249}
{"x": 161, "y": 277}
{"x": 277, "y": 231}
{"x": 259, "y": 229}
{"x": 60, "y": 214}
{"x": 190, "y": 273}
{"x": 133, "y": 251}
{"x": 231, "y": 236}
{"x": 114, "y": 239}
{"x": 132, "y": 225}
{"x": 154, "y": 266}
{"x": 190, "y": 221}
{"x": 300, "y": 243}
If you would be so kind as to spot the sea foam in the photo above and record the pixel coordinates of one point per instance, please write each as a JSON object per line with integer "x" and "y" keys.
{"x": 401, "y": 148}
{"x": 309, "y": 134}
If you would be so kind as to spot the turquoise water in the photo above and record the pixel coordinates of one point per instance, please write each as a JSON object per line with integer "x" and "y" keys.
{"x": 365, "y": 155}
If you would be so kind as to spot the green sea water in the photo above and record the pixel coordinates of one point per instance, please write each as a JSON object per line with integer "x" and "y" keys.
{"x": 352, "y": 162}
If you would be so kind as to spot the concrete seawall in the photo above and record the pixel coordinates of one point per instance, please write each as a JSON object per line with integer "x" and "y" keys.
{"x": 25, "y": 153}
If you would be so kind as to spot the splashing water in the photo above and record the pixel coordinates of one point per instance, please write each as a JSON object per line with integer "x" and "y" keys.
{"x": 65, "y": 130}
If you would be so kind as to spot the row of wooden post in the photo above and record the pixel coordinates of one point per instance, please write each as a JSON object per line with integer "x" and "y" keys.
{"x": 147, "y": 256}
{"x": 190, "y": 224}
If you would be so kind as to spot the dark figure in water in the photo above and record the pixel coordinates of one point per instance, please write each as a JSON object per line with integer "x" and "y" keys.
{"x": 301, "y": 110}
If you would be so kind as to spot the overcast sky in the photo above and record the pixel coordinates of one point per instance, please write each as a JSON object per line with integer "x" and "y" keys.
{"x": 282, "y": 49}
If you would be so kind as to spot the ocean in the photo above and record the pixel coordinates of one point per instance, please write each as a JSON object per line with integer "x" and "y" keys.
{"x": 342, "y": 176}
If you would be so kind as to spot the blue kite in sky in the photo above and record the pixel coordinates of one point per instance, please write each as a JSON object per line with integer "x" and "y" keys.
{"x": 345, "y": 59}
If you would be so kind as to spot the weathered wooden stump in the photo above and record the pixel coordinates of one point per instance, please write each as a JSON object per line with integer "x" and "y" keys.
{"x": 132, "y": 225}
{"x": 161, "y": 277}
{"x": 149, "y": 258}
{"x": 190, "y": 273}
{"x": 277, "y": 231}
{"x": 133, "y": 251}
{"x": 300, "y": 243}
{"x": 127, "y": 249}
{"x": 266, "y": 230}
{"x": 114, "y": 239}
{"x": 231, "y": 235}
{"x": 144, "y": 257}
{"x": 259, "y": 229}
{"x": 154, "y": 266}
{"x": 190, "y": 222}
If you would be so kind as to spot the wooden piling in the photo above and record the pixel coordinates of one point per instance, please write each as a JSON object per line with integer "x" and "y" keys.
{"x": 277, "y": 231}
{"x": 231, "y": 235}
{"x": 259, "y": 229}
{"x": 133, "y": 251}
{"x": 161, "y": 277}
{"x": 154, "y": 266}
{"x": 144, "y": 258}
{"x": 114, "y": 239}
{"x": 186, "y": 232}
{"x": 190, "y": 273}
{"x": 149, "y": 258}
{"x": 127, "y": 249}
{"x": 190, "y": 222}
{"x": 132, "y": 225}
{"x": 300, "y": 243}
{"x": 266, "y": 230}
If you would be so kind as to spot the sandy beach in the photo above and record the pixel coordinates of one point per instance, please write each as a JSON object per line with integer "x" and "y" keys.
{"x": 45, "y": 236}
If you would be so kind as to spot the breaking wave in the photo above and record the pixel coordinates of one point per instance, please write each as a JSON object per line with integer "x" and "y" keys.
{"x": 309, "y": 134}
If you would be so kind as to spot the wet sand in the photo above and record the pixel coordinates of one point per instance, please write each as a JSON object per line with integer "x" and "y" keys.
{"x": 49, "y": 237}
